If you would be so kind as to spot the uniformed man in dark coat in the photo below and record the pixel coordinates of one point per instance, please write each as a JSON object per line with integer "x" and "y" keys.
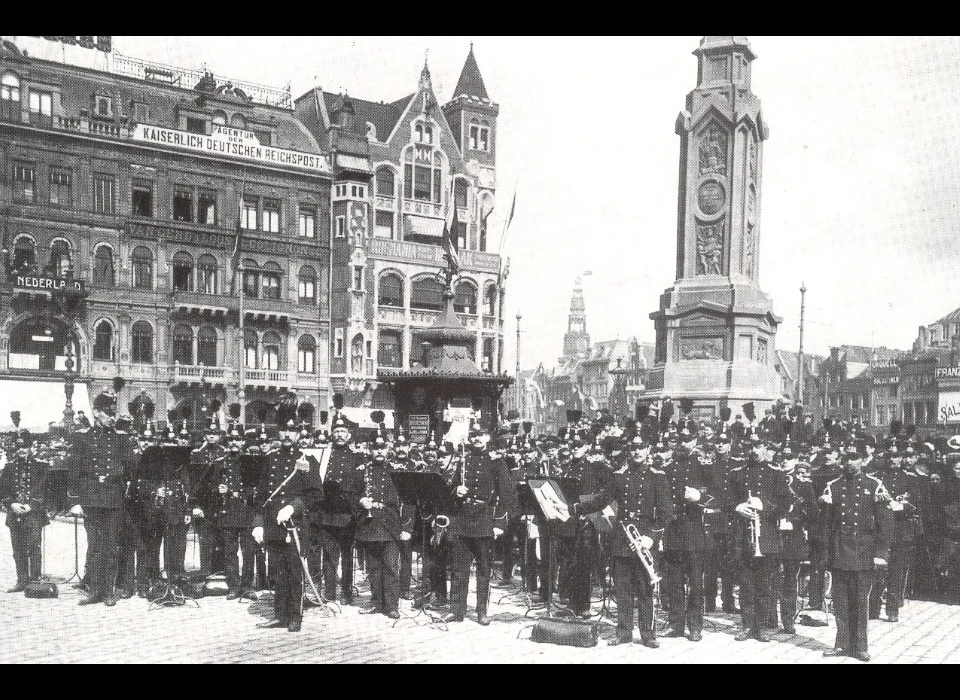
{"x": 206, "y": 465}
{"x": 290, "y": 491}
{"x": 486, "y": 495}
{"x": 760, "y": 493}
{"x": 686, "y": 542}
{"x": 856, "y": 521}
{"x": 824, "y": 468}
{"x": 98, "y": 464}
{"x": 23, "y": 490}
{"x": 718, "y": 518}
{"x": 339, "y": 515}
{"x": 944, "y": 519}
{"x": 795, "y": 524}
{"x": 436, "y": 555}
{"x": 233, "y": 512}
{"x": 644, "y": 502}
{"x": 402, "y": 462}
{"x": 380, "y": 528}
{"x": 906, "y": 493}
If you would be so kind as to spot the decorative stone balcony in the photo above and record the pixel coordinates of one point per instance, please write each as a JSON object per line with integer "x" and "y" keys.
{"x": 201, "y": 374}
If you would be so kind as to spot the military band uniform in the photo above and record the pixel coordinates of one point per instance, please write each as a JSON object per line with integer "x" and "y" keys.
{"x": 339, "y": 522}
{"x": 819, "y": 479}
{"x": 24, "y": 475}
{"x": 857, "y": 528}
{"x": 99, "y": 462}
{"x": 643, "y": 500}
{"x": 721, "y": 560}
{"x": 490, "y": 498}
{"x": 234, "y": 513}
{"x": 206, "y": 463}
{"x": 761, "y": 480}
{"x": 795, "y": 526}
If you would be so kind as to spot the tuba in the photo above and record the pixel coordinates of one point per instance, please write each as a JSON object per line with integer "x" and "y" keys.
{"x": 646, "y": 558}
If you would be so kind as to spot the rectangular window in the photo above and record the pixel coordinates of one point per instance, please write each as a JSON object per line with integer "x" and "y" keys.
{"x": 24, "y": 182}
{"x": 306, "y": 360}
{"x": 250, "y": 355}
{"x": 460, "y": 231}
{"x": 307, "y": 290}
{"x": 206, "y": 278}
{"x": 271, "y": 215}
{"x": 408, "y": 181}
{"x": 207, "y": 207}
{"x": 270, "y": 358}
{"x": 893, "y": 391}
{"x": 142, "y": 273}
{"x": 251, "y": 283}
{"x": 308, "y": 222}
{"x": 102, "y": 106}
{"x": 61, "y": 186}
{"x": 196, "y": 126}
{"x": 384, "y": 224}
{"x": 10, "y": 101}
{"x": 338, "y": 343}
{"x": 358, "y": 277}
{"x": 271, "y": 285}
{"x": 182, "y": 204}
{"x": 389, "y": 349}
{"x": 41, "y": 108}
{"x": 142, "y": 198}
{"x": 421, "y": 183}
{"x": 484, "y": 139}
{"x": 104, "y": 193}
{"x": 340, "y": 227}
{"x": 248, "y": 213}
{"x": 141, "y": 112}
{"x": 474, "y": 137}
{"x": 881, "y": 415}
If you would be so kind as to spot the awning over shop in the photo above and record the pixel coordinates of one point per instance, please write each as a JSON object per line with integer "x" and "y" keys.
{"x": 353, "y": 163}
{"x": 361, "y": 416}
{"x": 421, "y": 226}
{"x": 39, "y": 403}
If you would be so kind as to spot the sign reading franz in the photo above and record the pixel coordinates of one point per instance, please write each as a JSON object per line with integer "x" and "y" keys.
{"x": 231, "y": 142}
{"x": 948, "y": 372}
{"x": 55, "y": 285}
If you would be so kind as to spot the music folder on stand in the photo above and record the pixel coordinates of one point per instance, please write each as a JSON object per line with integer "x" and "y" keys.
{"x": 552, "y": 507}
{"x": 430, "y": 494}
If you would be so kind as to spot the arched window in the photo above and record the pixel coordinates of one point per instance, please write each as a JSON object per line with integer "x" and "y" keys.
{"x": 207, "y": 274}
{"x": 207, "y": 346}
{"x": 142, "y": 349}
{"x": 251, "y": 278}
{"x": 103, "y": 266}
{"x": 250, "y": 349}
{"x": 220, "y": 118}
{"x": 24, "y": 255}
{"x": 460, "y": 193}
{"x": 183, "y": 272}
{"x": 307, "y": 285}
{"x": 356, "y": 354}
{"x": 270, "y": 356}
{"x": 59, "y": 264}
{"x": 270, "y": 280}
{"x": 10, "y": 97}
{"x": 103, "y": 341}
{"x": 307, "y": 355}
{"x": 391, "y": 290}
{"x": 183, "y": 344}
{"x": 390, "y": 351}
{"x": 465, "y": 300}
{"x": 386, "y": 182}
{"x": 38, "y": 343}
{"x": 142, "y": 268}
{"x": 426, "y": 294}
{"x": 490, "y": 300}
{"x": 238, "y": 121}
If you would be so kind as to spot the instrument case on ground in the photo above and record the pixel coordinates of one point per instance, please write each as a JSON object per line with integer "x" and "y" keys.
{"x": 568, "y": 633}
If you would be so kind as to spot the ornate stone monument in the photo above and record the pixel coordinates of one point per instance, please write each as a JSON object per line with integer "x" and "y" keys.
{"x": 715, "y": 327}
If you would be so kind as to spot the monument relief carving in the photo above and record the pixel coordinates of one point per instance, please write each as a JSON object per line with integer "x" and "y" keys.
{"x": 713, "y": 151}
{"x": 701, "y": 348}
{"x": 753, "y": 159}
{"x": 710, "y": 249}
{"x": 750, "y": 248}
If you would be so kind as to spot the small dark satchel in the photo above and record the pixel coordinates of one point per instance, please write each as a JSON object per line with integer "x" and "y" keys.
{"x": 568, "y": 633}
{"x": 41, "y": 589}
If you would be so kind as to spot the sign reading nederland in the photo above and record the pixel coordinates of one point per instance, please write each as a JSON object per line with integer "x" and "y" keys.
{"x": 224, "y": 143}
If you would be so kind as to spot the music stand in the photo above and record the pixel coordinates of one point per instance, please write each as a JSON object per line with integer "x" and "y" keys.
{"x": 252, "y": 467}
{"x": 528, "y": 507}
{"x": 176, "y": 458}
{"x": 429, "y": 493}
{"x": 335, "y": 502}
{"x": 58, "y": 501}
{"x": 546, "y": 492}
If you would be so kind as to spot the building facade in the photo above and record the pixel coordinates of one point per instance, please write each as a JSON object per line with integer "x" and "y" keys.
{"x": 137, "y": 203}
{"x": 857, "y": 383}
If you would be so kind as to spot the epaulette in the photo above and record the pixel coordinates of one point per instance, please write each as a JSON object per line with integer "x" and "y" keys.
{"x": 737, "y": 469}
{"x": 621, "y": 471}
{"x": 495, "y": 454}
{"x": 657, "y": 471}
{"x": 361, "y": 466}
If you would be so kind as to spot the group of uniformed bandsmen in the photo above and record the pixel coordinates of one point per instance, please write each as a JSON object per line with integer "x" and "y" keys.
{"x": 719, "y": 507}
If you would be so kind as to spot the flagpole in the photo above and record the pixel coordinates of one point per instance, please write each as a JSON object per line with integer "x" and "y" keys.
{"x": 238, "y": 273}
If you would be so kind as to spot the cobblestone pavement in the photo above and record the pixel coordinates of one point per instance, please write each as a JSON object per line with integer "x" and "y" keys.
{"x": 226, "y": 631}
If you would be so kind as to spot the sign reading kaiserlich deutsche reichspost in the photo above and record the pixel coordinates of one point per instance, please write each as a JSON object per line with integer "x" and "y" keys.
{"x": 225, "y": 141}
{"x": 55, "y": 285}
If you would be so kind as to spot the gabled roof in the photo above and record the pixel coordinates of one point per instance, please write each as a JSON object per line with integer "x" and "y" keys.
{"x": 471, "y": 82}
{"x": 384, "y": 116}
{"x": 865, "y": 353}
{"x": 951, "y": 317}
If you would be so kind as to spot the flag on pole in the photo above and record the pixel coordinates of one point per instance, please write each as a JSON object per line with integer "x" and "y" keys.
{"x": 513, "y": 208}
{"x": 450, "y": 252}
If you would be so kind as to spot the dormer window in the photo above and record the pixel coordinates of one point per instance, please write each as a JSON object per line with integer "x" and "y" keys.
{"x": 219, "y": 119}
{"x": 479, "y": 137}
{"x": 423, "y": 133}
{"x": 141, "y": 112}
{"x": 102, "y": 106}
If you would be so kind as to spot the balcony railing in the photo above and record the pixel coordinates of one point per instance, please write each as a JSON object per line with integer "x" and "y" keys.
{"x": 196, "y": 374}
{"x": 279, "y": 378}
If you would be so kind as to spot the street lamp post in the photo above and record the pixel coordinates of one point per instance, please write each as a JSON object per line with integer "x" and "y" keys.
{"x": 68, "y": 390}
{"x": 518, "y": 389}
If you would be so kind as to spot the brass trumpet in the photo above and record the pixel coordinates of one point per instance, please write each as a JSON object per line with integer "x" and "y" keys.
{"x": 646, "y": 558}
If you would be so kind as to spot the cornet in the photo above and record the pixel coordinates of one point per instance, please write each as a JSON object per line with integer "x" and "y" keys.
{"x": 646, "y": 558}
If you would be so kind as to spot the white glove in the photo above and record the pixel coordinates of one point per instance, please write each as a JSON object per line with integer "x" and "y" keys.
{"x": 366, "y": 502}
{"x": 895, "y": 506}
{"x": 302, "y": 464}
{"x": 755, "y": 503}
{"x": 76, "y": 510}
{"x": 645, "y": 542}
{"x": 405, "y": 536}
{"x": 186, "y": 519}
{"x": 285, "y": 514}
{"x": 879, "y": 561}
{"x": 691, "y": 495}
{"x": 461, "y": 491}
{"x": 258, "y": 535}
{"x": 934, "y": 478}
{"x": 222, "y": 488}
{"x": 198, "y": 512}
{"x": 745, "y": 510}
{"x": 19, "y": 508}
{"x": 497, "y": 532}
{"x": 163, "y": 492}
{"x": 826, "y": 499}
{"x": 785, "y": 525}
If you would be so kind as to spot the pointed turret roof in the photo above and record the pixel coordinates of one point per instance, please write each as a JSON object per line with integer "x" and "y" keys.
{"x": 577, "y": 306}
{"x": 471, "y": 82}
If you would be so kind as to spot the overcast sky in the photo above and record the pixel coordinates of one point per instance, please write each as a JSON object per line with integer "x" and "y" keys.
{"x": 860, "y": 182}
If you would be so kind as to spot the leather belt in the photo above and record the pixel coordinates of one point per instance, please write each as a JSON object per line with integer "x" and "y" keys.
{"x": 711, "y": 511}
{"x": 474, "y": 501}
{"x": 631, "y": 515}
